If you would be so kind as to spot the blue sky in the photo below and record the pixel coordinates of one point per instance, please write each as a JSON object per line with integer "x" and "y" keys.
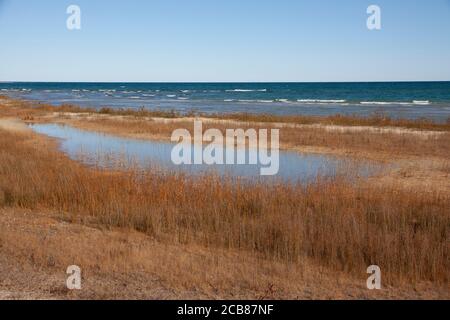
{"x": 224, "y": 40}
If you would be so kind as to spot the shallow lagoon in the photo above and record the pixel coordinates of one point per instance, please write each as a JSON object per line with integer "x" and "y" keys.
{"x": 107, "y": 151}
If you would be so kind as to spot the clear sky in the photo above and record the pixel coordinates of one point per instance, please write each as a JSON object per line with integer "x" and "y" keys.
{"x": 224, "y": 40}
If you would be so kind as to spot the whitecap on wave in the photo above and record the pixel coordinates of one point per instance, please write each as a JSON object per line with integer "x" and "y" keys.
{"x": 421, "y": 102}
{"x": 322, "y": 100}
{"x": 401, "y": 103}
{"x": 247, "y": 90}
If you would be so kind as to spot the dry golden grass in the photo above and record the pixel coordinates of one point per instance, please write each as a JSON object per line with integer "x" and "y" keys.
{"x": 239, "y": 240}
{"x": 392, "y": 144}
{"x": 333, "y": 224}
{"x": 37, "y": 247}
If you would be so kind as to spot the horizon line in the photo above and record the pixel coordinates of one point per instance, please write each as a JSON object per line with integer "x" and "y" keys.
{"x": 224, "y": 82}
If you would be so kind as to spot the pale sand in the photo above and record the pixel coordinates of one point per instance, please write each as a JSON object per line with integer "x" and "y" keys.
{"x": 14, "y": 125}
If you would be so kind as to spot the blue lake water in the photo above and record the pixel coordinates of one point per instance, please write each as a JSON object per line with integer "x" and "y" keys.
{"x": 397, "y": 99}
{"x": 113, "y": 152}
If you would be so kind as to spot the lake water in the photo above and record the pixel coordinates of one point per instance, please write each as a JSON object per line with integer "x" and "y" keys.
{"x": 397, "y": 99}
{"x": 97, "y": 149}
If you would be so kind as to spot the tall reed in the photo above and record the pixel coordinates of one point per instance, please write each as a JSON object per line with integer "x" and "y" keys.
{"x": 338, "y": 225}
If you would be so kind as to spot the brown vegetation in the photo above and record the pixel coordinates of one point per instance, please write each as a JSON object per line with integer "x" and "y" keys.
{"x": 346, "y": 230}
{"x": 238, "y": 240}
